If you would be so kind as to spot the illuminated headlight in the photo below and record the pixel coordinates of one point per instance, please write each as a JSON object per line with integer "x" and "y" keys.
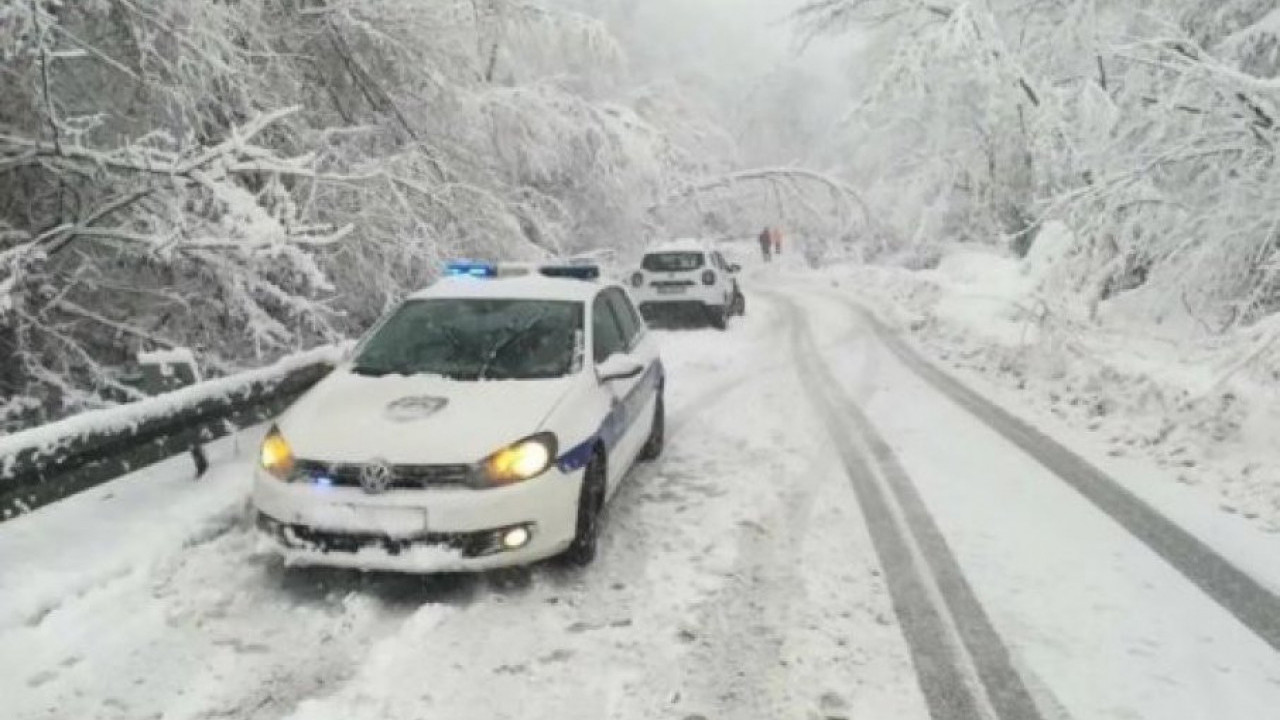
{"x": 277, "y": 457}
{"x": 516, "y": 538}
{"x": 519, "y": 461}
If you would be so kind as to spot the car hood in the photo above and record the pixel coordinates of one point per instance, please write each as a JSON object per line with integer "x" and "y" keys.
{"x": 421, "y": 419}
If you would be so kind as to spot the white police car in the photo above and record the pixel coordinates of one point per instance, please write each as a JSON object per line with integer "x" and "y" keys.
{"x": 688, "y": 278}
{"x": 483, "y": 423}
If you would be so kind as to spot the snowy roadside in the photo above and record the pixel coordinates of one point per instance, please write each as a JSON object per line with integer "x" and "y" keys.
{"x": 93, "y": 548}
{"x": 1098, "y": 625}
{"x": 1139, "y": 395}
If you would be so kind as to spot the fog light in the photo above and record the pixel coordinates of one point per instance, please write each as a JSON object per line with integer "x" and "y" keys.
{"x": 515, "y": 538}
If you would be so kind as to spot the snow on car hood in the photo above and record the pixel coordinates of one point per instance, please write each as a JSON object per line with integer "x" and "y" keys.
{"x": 420, "y": 419}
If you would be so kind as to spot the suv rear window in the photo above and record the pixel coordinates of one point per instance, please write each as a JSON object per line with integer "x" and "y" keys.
{"x": 673, "y": 261}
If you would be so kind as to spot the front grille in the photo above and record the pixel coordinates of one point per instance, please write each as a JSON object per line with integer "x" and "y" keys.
{"x": 301, "y": 537}
{"x": 403, "y": 477}
{"x": 672, "y": 283}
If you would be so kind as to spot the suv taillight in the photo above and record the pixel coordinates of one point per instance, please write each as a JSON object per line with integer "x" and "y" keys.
{"x": 637, "y": 279}
{"x": 709, "y": 277}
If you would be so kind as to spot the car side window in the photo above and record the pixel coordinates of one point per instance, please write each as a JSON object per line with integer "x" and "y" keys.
{"x": 628, "y": 319}
{"x": 607, "y": 333}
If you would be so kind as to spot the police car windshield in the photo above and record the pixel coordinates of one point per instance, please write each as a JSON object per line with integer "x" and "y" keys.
{"x": 672, "y": 261}
{"x": 474, "y": 339}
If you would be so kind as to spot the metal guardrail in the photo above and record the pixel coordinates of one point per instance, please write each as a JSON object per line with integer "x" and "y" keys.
{"x": 44, "y": 472}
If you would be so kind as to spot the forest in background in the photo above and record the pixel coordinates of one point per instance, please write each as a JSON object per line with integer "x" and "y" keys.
{"x": 251, "y": 177}
{"x": 1147, "y": 129}
{"x": 247, "y": 178}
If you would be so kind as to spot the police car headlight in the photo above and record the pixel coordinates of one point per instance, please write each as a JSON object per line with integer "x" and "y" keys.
{"x": 277, "y": 456}
{"x": 519, "y": 461}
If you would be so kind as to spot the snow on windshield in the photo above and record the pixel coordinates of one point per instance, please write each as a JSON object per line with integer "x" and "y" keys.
{"x": 470, "y": 339}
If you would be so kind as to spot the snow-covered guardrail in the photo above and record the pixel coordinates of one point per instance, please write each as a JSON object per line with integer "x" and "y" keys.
{"x": 50, "y": 462}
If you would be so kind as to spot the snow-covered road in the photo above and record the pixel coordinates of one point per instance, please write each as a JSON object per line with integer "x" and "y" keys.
{"x": 828, "y": 536}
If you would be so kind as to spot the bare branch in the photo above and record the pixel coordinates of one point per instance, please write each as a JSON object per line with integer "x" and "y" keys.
{"x": 37, "y": 17}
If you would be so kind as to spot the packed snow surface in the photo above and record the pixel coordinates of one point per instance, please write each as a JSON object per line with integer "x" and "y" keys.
{"x": 738, "y": 577}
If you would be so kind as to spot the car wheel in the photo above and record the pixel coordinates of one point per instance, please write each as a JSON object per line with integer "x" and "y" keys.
{"x": 590, "y": 513}
{"x": 718, "y": 316}
{"x": 652, "y": 449}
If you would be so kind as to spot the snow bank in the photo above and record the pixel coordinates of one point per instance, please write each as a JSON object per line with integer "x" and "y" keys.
{"x": 1142, "y": 389}
{"x": 117, "y": 531}
{"x": 48, "y": 438}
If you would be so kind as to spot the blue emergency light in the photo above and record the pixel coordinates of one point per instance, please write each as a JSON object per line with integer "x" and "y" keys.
{"x": 470, "y": 268}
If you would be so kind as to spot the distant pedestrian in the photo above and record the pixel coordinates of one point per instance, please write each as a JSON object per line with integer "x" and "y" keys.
{"x": 766, "y": 243}
{"x": 777, "y": 240}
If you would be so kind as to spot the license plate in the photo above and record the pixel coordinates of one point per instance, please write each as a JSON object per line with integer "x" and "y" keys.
{"x": 670, "y": 290}
{"x": 389, "y": 521}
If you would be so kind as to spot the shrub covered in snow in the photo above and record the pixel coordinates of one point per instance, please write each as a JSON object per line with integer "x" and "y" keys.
{"x": 1148, "y": 130}
{"x": 253, "y": 177}
{"x": 1184, "y": 405}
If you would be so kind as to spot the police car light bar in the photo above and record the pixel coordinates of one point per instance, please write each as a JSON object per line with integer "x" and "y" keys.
{"x": 577, "y": 271}
{"x": 468, "y": 268}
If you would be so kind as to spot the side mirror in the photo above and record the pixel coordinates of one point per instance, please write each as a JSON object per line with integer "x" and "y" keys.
{"x": 618, "y": 367}
{"x": 735, "y": 268}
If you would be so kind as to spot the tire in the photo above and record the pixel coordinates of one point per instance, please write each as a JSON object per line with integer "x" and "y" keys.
{"x": 718, "y": 316}
{"x": 652, "y": 449}
{"x": 582, "y": 550}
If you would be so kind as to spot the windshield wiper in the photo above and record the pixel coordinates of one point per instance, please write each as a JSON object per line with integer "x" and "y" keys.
{"x": 373, "y": 371}
{"x": 504, "y": 344}
{"x": 369, "y": 370}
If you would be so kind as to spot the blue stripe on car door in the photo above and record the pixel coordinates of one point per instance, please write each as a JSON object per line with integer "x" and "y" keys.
{"x": 616, "y": 423}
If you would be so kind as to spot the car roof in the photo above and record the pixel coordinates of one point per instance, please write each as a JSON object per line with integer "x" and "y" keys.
{"x": 524, "y": 287}
{"x": 682, "y": 244}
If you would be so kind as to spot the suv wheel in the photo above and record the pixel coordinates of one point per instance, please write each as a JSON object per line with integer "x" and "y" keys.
{"x": 718, "y": 316}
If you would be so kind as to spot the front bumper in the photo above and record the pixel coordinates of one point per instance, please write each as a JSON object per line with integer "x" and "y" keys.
{"x": 420, "y": 531}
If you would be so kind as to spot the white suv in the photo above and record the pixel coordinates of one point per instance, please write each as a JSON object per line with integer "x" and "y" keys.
{"x": 688, "y": 277}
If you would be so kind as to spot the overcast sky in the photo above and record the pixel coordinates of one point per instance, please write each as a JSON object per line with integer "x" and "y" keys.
{"x": 740, "y": 55}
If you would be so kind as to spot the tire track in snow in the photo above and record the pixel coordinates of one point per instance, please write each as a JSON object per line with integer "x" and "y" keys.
{"x": 766, "y": 640}
{"x": 708, "y": 398}
{"x": 1239, "y": 593}
{"x": 667, "y": 564}
{"x": 963, "y": 667}
{"x": 742, "y": 629}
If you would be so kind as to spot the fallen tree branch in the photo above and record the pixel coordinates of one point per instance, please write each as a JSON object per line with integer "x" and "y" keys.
{"x": 838, "y": 188}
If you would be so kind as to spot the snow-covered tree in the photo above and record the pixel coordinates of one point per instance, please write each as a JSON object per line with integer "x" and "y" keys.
{"x": 248, "y": 178}
{"x": 1149, "y": 128}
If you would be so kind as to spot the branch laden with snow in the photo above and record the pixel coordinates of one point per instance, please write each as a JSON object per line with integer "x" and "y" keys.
{"x": 247, "y": 179}
{"x": 1155, "y": 142}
